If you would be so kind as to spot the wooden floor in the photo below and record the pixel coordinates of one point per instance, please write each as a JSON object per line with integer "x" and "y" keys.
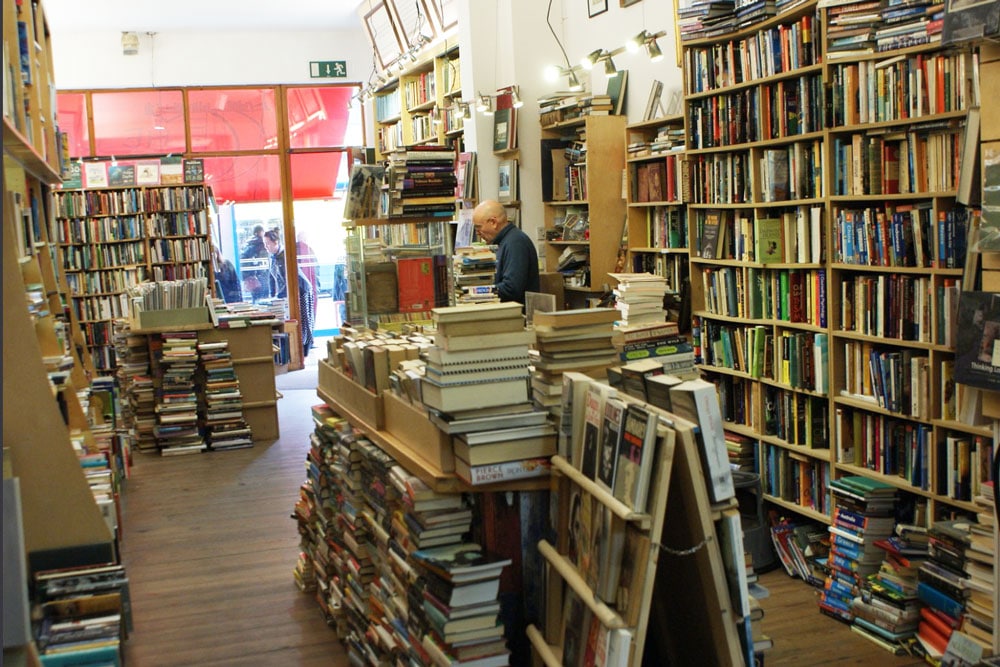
{"x": 209, "y": 544}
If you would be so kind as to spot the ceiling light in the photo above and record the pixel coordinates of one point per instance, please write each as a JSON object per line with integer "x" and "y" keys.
{"x": 130, "y": 43}
{"x": 588, "y": 61}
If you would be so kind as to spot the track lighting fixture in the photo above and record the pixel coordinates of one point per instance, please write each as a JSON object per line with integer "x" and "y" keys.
{"x": 609, "y": 67}
{"x": 589, "y": 60}
{"x": 653, "y": 51}
{"x": 634, "y": 44}
{"x": 574, "y": 82}
{"x": 466, "y": 110}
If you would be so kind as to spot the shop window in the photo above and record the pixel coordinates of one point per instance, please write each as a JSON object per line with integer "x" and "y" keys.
{"x": 232, "y": 119}
{"x": 71, "y": 117}
{"x": 147, "y": 122}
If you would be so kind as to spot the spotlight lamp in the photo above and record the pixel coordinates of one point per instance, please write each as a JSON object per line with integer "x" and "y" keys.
{"x": 515, "y": 100}
{"x": 485, "y": 105}
{"x": 466, "y": 110}
{"x": 633, "y": 45}
{"x": 609, "y": 67}
{"x": 653, "y": 51}
{"x": 589, "y": 60}
{"x": 574, "y": 82}
{"x": 552, "y": 73}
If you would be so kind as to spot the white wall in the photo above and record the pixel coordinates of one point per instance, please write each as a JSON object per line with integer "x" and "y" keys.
{"x": 94, "y": 59}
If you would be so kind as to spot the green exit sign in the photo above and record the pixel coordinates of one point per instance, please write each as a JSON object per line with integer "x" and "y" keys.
{"x": 327, "y": 69}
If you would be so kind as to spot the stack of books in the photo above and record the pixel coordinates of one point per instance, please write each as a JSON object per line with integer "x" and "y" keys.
{"x": 474, "y": 269}
{"x": 909, "y": 24}
{"x": 639, "y": 298}
{"x": 979, "y": 622}
{"x": 750, "y": 12}
{"x": 176, "y": 408}
{"x": 427, "y": 518}
{"x": 860, "y": 504}
{"x": 83, "y": 614}
{"x": 887, "y": 610}
{"x": 479, "y": 358}
{"x": 225, "y": 425}
{"x": 942, "y": 585}
{"x": 700, "y": 18}
{"x": 659, "y": 341}
{"x": 569, "y": 341}
{"x": 239, "y": 315}
{"x": 851, "y": 29}
{"x": 422, "y": 182}
{"x": 454, "y": 607}
{"x": 136, "y": 383}
{"x": 800, "y": 548}
{"x": 559, "y": 106}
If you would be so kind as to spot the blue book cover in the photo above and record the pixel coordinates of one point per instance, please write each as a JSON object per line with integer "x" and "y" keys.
{"x": 935, "y": 598}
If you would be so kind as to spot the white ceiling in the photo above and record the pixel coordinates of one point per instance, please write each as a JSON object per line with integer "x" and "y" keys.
{"x": 199, "y": 15}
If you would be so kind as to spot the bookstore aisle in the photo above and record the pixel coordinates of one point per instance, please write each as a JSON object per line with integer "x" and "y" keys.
{"x": 210, "y": 548}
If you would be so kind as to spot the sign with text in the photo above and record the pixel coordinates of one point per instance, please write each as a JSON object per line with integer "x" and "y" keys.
{"x": 327, "y": 69}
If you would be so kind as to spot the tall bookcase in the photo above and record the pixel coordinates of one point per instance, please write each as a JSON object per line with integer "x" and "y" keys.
{"x": 656, "y": 195}
{"x": 62, "y": 524}
{"x": 577, "y": 157}
{"x": 113, "y": 238}
{"x": 421, "y": 105}
{"x": 827, "y": 254}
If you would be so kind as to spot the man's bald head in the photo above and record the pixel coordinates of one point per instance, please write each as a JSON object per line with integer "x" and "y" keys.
{"x": 489, "y": 218}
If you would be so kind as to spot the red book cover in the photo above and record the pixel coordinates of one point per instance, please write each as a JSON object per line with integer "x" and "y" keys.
{"x": 416, "y": 283}
{"x": 929, "y": 634}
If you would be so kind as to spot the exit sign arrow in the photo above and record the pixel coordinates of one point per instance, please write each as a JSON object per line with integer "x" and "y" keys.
{"x": 327, "y": 69}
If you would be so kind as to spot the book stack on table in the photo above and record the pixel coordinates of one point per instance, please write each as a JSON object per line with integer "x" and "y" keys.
{"x": 639, "y": 297}
{"x": 570, "y": 341}
{"x": 853, "y": 554}
{"x": 480, "y": 394}
{"x": 978, "y": 621}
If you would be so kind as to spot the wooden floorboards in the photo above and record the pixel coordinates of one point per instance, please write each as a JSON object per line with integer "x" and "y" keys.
{"x": 209, "y": 544}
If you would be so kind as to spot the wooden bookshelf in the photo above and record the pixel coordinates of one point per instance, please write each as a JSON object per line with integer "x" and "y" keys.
{"x": 861, "y": 206}
{"x": 110, "y": 239}
{"x": 589, "y": 192}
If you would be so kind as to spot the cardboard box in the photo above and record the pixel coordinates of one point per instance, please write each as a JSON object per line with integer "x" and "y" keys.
{"x": 176, "y": 317}
{"x": 411, "y": 426}
{"x": 363, "y": 404}
{"x": 991, "y": 404}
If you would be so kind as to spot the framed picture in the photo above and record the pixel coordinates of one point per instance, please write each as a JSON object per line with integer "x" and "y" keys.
{"x": 595, "y": 7}
{"x": 501, "y": 129}
{"x": 507, "y": 181}
{"x": 382, "y": 33}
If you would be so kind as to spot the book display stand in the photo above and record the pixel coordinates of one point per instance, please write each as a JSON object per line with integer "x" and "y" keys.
{"x": 684, "y": 562}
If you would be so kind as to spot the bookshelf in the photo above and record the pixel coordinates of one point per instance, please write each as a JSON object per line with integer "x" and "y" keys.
{"x": 390, "y": 254}
{"x": 757, "y": 242}
{"x": 113, "y": 238}
{"x": 656, "y": 195}
{"x": 577, "y": 157}
{"x": 420, "y": 106}
{"x": 44, "y": 378}
{"x": 818, "y": 241}
{"x": 678, "y": 512}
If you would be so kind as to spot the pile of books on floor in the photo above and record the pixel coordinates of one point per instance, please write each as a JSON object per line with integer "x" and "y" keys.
{"x": 887, "y": 611}
{"x": 225, "y": 425}
{"x": 942, "y": 586}
{"x": 979, "y": 621}
{"x": 176, "y": 409}
{"x": 136, "y": 383}
{"x": 83, "y": 614}
{"x": 860, "y": 503}
{"x": 422, "y": 182}
{"x": 454, "y": 607}
{"x": 566, "y": 341}
{"x": 802, "y": 548}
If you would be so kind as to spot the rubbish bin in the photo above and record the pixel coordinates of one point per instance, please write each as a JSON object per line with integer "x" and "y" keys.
{"x": 756, "y": 532}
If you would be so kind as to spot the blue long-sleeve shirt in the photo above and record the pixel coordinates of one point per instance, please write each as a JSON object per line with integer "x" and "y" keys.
{"x": 517, "y": 264}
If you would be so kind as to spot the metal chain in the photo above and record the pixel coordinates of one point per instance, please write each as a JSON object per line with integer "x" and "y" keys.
{"x": 685, "y": 552}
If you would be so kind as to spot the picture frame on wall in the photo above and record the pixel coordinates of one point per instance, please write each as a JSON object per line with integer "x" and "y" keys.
{"x": 382, "y": 32}
{"x": 595, "y": 7}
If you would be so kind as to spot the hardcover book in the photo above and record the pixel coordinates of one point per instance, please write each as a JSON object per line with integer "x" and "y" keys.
{"x": 698, "y": 401}
{"x": 977, "y": 350}
{"x": 635, "y": 457}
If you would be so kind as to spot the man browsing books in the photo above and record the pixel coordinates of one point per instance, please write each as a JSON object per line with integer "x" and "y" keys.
{"x": 517, "y": 259}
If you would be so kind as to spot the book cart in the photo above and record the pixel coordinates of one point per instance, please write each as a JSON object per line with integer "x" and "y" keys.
{"x": 682, "y": 583}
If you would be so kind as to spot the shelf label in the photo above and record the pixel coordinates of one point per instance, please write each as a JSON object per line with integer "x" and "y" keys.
{"x": 327, "y": 69}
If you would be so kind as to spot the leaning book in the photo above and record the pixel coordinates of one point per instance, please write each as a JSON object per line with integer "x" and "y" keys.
{"x": 977, "y": 350}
